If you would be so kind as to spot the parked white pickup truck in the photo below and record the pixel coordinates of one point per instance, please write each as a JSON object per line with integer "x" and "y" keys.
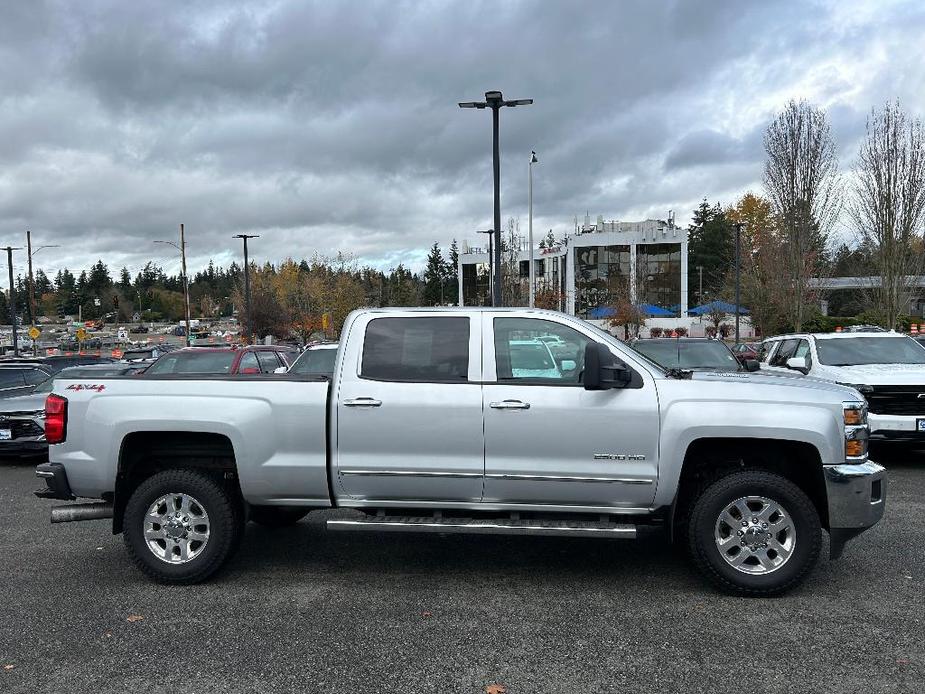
{"x": 444, "y": 420}
{"x": 887, "y": 368}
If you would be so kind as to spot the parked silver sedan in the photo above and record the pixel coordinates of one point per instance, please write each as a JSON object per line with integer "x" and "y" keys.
{"x": 22, "y": 417}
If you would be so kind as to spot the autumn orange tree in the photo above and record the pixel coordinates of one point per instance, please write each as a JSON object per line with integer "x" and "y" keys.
{"x": 766, "y": 290}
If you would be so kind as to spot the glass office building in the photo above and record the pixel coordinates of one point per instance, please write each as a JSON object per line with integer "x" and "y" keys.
{"x": 598, "y": 266}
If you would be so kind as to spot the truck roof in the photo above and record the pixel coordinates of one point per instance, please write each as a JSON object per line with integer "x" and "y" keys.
{"x": 836, "y": 336}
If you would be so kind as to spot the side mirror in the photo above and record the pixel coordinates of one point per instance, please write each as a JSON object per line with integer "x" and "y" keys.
{"x": 751, "y": 365}
{"x": 569, "y": 365}
{"x": 603, "y": 370}
{"x": 798, "y": 364}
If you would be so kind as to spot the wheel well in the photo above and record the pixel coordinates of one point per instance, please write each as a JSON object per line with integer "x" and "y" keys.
{"x": 145, "y": 453}
{"x": 706, "y": 460}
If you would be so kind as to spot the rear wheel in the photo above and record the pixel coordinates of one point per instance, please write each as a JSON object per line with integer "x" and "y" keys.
{"x": 754, "y": 533}
{"x": 180, "y": 526}
{"x": 277, "y": 516}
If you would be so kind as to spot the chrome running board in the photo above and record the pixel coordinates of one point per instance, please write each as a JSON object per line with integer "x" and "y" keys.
{"x": 495, "y": 526}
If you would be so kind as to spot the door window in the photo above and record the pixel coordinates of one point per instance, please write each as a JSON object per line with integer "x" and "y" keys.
{"x": 248, "y": 364}
{"x": 418, "y": 350}
{"x": 765, "y": 350}
{"x": 268, "y": 362}
{"x": 784, "y": 351}
{"x": 11, "y": 379}
{"x": 531, "y": 349}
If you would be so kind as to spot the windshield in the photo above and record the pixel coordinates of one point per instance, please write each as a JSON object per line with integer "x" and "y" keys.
{"x": 316, "y": 361}
{"x": 194, "y": 363}
{"x": 675, "y": 354}
{"x": 855, "y": 351}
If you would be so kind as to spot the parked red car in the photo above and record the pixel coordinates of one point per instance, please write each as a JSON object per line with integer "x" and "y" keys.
{"x": 254, "y": 359}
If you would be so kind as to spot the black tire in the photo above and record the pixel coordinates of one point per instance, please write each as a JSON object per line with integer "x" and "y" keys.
{"x": 225, "y": 526}
{"x": 277, "y": 516}
{"x": 702, "y": 525}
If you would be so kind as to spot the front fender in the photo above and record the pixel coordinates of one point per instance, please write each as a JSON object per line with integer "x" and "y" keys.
{"x": 688, "y": 421}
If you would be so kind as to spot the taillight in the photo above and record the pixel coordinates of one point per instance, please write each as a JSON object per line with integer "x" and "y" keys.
{"x": 55, "y": 418}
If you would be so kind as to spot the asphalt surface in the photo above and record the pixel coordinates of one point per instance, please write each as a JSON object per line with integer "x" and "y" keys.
{"x": 302, "y": 609}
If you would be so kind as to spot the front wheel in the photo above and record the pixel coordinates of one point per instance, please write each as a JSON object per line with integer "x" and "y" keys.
{"x": 754, "y": 533}
{"x": 180, "y": 526}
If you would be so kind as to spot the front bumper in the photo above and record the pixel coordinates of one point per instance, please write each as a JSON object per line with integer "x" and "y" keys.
{"x": 856, "y": 499}
{"x": 895, "y": 427}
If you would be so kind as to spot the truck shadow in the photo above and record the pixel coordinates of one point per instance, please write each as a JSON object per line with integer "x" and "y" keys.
{"x": 308, "y": 548}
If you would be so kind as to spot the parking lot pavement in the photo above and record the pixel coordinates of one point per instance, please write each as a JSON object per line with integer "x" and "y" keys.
{"x": 305, "y": 610}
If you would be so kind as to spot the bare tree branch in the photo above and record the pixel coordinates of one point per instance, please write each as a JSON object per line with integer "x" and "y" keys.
{"x": 802, "y": 182}
{"x": 888, "y": 204}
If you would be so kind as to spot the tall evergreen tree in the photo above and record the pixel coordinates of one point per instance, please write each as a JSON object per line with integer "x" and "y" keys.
{"x": 435, "y": 277}
{"x": 711, "y": 246}
{"x": 452, "y": 275}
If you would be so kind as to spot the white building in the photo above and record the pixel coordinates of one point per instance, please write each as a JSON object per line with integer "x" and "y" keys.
{"x": 584, "y": 270}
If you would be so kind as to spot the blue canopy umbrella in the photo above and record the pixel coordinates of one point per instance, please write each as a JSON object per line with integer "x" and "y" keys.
{"x": 720, "y": 306}
{"x": 602, "y": 312}
{"x": 645, "y": 309}
{"x": 654, "y": 311}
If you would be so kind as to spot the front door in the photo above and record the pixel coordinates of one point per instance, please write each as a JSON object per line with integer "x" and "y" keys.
{"x": 409, "y": 416}
{"x": 548, "y": 441}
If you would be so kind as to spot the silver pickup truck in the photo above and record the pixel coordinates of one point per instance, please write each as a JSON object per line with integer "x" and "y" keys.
{"x": 477, "y": 421}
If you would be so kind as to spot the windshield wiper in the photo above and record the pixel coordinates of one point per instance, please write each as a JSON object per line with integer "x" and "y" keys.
{"x": 680, "y": 374}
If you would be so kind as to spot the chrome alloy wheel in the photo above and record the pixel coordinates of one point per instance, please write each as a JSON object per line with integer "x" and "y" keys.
{"x": 755, "y": 535}
{"x": 176, "y": 528}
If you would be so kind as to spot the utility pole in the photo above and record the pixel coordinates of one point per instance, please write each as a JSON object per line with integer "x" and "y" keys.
{"x": 31, "y": 285}
{"x": 495, "y": 101}
{"x": 31, "y": 280}
{"x": 185, "y": 283}
{"x": 533, "y": 160}
{"x": 9, "y": 261}
{"x": 182, "y": 248}
{"x": 738, "y": 227}
{"x": 247, "y": 284}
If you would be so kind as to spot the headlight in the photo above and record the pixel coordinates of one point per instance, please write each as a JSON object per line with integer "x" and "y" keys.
{"x": 855, "y": 413}
{"x": 857, "y": 433}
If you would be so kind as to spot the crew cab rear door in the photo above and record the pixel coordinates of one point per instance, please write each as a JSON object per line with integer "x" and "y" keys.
{"x": 550, "y": 442}
{"x": 409, "y": 408}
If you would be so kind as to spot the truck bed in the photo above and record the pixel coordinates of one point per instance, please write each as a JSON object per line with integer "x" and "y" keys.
{"x": 275, "y": 423}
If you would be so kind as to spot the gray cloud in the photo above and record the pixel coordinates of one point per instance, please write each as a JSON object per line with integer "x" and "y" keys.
{"x": 333, "y": 126}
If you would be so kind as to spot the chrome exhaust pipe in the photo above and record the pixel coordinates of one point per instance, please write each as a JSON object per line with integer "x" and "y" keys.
{"x": 81, "y": 512}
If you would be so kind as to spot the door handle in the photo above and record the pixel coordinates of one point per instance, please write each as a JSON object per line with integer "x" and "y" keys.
{"x": 509, "y": 405}
{"x": 362, "y": 402}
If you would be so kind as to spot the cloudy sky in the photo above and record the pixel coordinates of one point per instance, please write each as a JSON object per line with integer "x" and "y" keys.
{"x": 333, "y": 126}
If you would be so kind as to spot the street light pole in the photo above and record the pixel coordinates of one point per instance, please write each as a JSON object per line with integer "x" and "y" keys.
{"x": 490, "y": 233}
{"x": 31, "y": 280}
{"x": 9, "y": 261}
{"x": 738, "y": 227}
{"x": 533, "y": 160}
{"x": 495, "y": 101}
{"x": 247, "y": 284}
